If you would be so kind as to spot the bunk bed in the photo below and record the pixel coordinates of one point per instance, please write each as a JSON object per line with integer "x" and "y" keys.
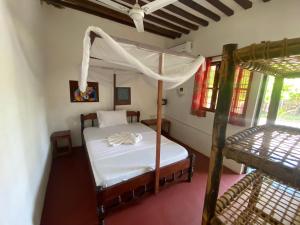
{"x": 271, "y": 193}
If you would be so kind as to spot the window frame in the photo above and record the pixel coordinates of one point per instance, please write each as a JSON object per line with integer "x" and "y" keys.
{"x": 215, "y": 92}
{"x": 238, "y": 119}
{"x": 214, "y": 89}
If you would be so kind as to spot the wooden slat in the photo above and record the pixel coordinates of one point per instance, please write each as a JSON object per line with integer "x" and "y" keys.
{"x": 246, "y": 4}
{"x": 222, "y": 7}
{"x": 201, "y": 9}
{"x": 185, "y": 14}
{"x": 101, "y": 11}
{"x": 167, "y": 16}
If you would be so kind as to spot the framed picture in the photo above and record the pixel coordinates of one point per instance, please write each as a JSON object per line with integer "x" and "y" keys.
{"x": 122, "y": 96}
{"x": 91, "y": 94}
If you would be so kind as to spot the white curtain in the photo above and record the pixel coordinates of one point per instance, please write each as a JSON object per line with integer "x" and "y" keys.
{"x": 114, "y": 53}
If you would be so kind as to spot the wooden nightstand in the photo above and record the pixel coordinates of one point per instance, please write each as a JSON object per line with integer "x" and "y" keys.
{"x": 165, "y": 125}
{"x": 60, "y": 136}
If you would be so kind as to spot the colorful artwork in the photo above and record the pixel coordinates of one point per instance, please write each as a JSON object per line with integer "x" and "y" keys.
{"x": 90, "y": 95}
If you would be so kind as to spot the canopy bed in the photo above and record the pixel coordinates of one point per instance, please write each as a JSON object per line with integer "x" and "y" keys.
{"x": 123, "y": 174}
{"x": 270, "y": 194}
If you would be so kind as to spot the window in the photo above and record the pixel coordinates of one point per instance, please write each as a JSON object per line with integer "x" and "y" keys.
{"x": 200, "y": 86}
{"x": 289, "y": 108}
{"x": 206, "y": 90}
{"x": 211, "y": 87}
{"x": 242, "y": 85}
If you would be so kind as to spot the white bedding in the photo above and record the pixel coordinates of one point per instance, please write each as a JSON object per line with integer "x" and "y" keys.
{"x": 112, "y": 165}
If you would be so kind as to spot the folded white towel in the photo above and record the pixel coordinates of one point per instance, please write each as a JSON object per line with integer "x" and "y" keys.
{"x": 124, "y": 138}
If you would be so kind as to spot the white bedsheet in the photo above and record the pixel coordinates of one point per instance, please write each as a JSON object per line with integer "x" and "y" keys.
{"x": 112, "y": 165}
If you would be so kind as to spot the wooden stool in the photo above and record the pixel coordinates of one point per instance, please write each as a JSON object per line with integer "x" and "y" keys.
{"x": 61, "y": 135}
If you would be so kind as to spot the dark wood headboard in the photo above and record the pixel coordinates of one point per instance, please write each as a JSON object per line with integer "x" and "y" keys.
{"x": 131, "y": 115}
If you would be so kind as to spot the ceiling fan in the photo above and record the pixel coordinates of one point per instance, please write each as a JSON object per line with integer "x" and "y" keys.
{"x": 137, "y": 12}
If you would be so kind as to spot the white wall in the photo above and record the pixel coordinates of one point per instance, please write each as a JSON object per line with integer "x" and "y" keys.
{"x": 24, "y": 142}
{"x": 28, "y": 82}
{"x": 265, "y": 21}
{"x": 64, "y": 31}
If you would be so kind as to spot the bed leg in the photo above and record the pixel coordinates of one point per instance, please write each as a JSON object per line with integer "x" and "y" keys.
{"x": 191, "y": 169}
{"x": 100, "y": 205}
{"x": 101, "y": 215}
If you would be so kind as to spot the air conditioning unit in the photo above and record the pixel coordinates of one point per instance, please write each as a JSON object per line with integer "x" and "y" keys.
{"x": 185, "y": 47}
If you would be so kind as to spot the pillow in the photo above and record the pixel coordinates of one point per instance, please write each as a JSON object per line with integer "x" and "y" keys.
{"x": 111, "y": 118}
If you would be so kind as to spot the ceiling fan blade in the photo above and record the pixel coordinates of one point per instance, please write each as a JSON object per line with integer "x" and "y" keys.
{"x": 155, "y": 5}
{"x": 139, "y": 24}
{"x": 113, "y": 5}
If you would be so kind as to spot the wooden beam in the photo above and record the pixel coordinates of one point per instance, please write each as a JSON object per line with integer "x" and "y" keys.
{"x": 166, "y": 15}
{"x": 273, "y": 49}
{"x": 167, "y": 24}
{"x": 227, "y": 72}
{"x": 185, "y": 14}
{"x": 101, "y": 11}
{"x": 275, "y": 100}
{"x": 246, "y": 4}
{"x": 175, "y": 19}
{"x": 222, "y": 7}
{"x": 201, "y": 9}
{"x": 157, "y": 20}
{"x": 158, "y": 125}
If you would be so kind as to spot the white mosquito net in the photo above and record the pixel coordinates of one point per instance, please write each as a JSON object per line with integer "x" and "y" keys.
{"x": 107, "y": 53}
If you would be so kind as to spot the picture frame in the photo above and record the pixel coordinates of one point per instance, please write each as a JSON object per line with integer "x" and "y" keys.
{"x": 91, "y": 94}
{"x": 123, "y": 96}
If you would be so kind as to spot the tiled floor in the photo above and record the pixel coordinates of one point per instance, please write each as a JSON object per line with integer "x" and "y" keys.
{"x": 70, "y": 198}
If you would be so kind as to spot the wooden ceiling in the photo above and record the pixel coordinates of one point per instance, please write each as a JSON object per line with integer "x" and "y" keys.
{"x": 171, "y": 21}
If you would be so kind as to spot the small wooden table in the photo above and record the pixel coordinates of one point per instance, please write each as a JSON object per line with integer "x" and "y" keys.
{"x": 59, "y": 136}
{"x": 165, "y": 125}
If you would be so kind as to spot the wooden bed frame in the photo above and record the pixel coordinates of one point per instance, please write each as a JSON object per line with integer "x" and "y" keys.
{"x": 126, "y": 192}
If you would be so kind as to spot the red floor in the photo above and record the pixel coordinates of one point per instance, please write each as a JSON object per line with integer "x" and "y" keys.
{"x": 70, "y": 198}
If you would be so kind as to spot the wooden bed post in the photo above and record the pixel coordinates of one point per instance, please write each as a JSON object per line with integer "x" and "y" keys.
{"x": 115, "y": 90}
{"x": 100, "y": 205}
{"x": 227, "y": 72}
{"x": 275, "y": 100}
{"x": 158, "y": 125}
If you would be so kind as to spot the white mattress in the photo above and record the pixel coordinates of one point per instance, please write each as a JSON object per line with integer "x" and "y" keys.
{"x": 112, "y": 165}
